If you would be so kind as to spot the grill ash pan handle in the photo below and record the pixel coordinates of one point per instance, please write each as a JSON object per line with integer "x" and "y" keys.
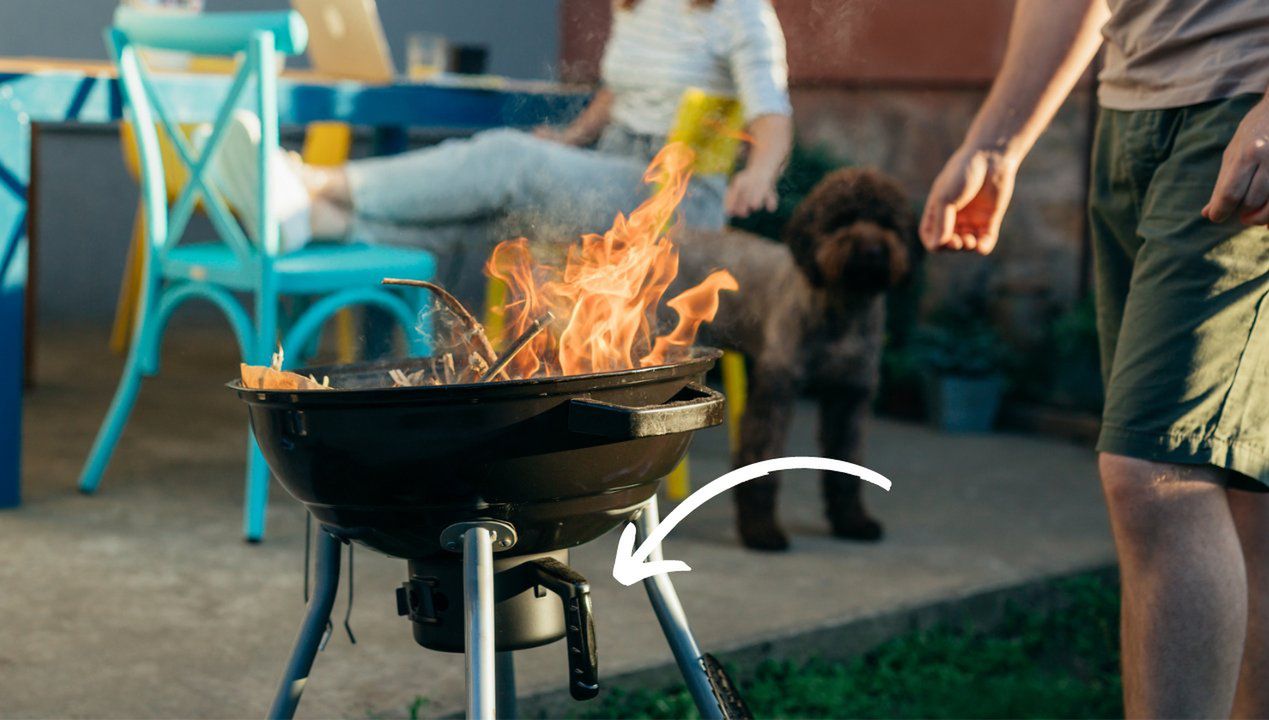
{"x": 695, "y": 407}
{"x": 579, "y": 623}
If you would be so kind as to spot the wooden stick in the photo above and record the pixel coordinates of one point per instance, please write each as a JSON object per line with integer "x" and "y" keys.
{"x": 536, "y": 327}
{"x": 447, "y": 362}
{"x": 485, "y": 347}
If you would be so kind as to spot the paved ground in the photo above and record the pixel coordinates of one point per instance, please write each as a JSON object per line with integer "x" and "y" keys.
{"x": 144, "y": 602}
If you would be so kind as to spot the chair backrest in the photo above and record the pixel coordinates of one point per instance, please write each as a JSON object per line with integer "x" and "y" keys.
{"x": 175, "y": 174}
{"x": 257, "y": 38}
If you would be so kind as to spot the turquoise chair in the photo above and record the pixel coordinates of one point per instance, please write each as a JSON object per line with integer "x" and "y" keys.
{"x": 329, "y": 276}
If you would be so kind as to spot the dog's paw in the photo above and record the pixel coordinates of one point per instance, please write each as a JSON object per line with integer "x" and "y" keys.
{"x": 765, "y": 537}
{"x": 858, "y": 527}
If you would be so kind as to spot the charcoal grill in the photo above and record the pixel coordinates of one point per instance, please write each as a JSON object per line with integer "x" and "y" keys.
{"x": 483, "y": 488}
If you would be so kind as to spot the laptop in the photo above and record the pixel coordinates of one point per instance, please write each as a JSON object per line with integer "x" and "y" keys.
{"x": 346, "y": 40}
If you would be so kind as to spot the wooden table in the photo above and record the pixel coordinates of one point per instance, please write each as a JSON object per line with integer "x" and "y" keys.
{"x": 44, "y": 90}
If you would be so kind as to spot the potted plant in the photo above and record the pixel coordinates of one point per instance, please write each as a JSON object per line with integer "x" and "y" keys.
{"x": 901, "y": 393}
{"x": 1077, "y": 378}
{"x": 964, "y": 357}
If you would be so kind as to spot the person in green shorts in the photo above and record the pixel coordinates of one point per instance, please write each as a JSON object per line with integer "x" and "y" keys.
{"x": 1178, "y": 209}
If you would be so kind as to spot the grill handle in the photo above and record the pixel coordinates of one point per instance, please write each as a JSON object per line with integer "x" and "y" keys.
{"x": 579, "y": 624}
{"x": 695, "y": 407}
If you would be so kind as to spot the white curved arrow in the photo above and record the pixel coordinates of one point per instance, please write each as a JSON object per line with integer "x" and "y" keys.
{"x": 632, "y": 566}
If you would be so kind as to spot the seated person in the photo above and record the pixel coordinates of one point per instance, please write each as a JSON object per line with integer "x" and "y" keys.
{"x": 657, "y": 50}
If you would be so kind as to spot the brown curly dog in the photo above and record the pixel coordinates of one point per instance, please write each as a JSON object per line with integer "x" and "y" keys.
{"x": 810, "y": 315}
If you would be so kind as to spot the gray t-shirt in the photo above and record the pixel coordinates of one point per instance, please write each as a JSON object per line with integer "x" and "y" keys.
{"x": 1171, "y": 53}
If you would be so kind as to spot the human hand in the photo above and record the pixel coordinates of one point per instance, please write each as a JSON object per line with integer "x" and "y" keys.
{"x": 750, "y": 190}
{"x": 1242, "y": 186}
{"x": 967, "y": 202}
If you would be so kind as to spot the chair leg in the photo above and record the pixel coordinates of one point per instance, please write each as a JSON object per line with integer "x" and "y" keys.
{"x": 736, "y": 388}
{"x": 256, "y": 500}
{"x": 130, "y": 287}
{"x": 257, "y": 494}
{"x": 120, "y": 408}
{"x": 346, "y": 336}
{"x": 678, "y": 484}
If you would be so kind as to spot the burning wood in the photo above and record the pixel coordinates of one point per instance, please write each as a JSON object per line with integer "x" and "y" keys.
{"x": 535, "y": 329}
{"x": 607, "y": 292}
{"x": 595, "y": 312}
{"x": 273, "y": 377}
{"x": 478, "y": 331}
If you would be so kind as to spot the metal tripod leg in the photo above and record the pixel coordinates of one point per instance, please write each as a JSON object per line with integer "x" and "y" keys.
{"x": 505, "y": 691}
{"x": 478, "y": 608}
{"x": 312, "y": 629}
{"x": 665, "y": 602}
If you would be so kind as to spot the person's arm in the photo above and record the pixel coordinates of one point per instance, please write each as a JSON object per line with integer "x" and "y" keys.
{"x": 1242, "y": 186}
{"x": 1050, "y": 45}
{"x": 586, "y": 127}
{"x": 760, "y": 69}
{"x": 754, "y": 187}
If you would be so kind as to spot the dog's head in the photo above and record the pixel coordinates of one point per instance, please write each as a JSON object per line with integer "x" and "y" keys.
{"x": 852, "y": 232}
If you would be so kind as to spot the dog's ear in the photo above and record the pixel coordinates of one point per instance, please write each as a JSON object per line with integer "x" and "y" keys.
{"x": 802, "y": 233}
{"x": 832, "y": 256}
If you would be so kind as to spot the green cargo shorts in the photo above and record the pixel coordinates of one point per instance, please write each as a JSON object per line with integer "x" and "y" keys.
{"x": 1181, "y": 309}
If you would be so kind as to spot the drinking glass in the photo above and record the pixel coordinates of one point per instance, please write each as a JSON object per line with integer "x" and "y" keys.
{"x": 425, "y": 55}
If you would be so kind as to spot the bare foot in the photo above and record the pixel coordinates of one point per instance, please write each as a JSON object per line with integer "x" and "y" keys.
{"x": 328, "y": 220}
{"x": 323, "y": 183}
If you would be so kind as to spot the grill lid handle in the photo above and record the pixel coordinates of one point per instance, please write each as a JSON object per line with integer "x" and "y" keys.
{"x": 695, "y": 407}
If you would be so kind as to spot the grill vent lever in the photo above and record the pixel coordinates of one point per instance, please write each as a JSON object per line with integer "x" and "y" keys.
{"x": 579, "y": 624}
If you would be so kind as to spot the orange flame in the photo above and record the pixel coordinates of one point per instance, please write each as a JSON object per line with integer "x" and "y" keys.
{"x": 605, "y": 296}
{"x": 723, "y": 129}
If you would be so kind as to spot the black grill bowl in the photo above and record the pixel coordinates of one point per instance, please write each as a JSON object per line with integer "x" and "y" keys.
{"x": 563, "y": 460}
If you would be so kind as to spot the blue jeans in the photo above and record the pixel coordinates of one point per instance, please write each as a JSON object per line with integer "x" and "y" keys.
{"x": 508, "y": 171}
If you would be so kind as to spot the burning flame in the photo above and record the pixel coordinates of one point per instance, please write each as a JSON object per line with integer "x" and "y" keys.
{"x": 720, "y": 127}
{"x": 605, "y": 296}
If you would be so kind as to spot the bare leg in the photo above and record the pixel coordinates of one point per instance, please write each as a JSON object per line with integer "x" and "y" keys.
{"x": 1184, "y": 587}
{"x": 1251, "y": 520}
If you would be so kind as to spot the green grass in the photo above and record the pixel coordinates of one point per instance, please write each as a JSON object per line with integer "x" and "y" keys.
{"x": 1053, "y": 664}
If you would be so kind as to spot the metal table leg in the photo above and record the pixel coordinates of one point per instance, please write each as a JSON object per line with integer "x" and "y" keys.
{"x": 669, "y": 612}
{"x": 505, "y": 691}
{"x": 478, "y": 608}
{"x": 312, "y": 629}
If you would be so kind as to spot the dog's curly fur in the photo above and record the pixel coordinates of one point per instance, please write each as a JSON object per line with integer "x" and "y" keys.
{"x": 810, "y": 314}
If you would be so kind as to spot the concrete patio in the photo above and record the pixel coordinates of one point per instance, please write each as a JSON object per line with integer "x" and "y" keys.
{"x": 144, "y": 601}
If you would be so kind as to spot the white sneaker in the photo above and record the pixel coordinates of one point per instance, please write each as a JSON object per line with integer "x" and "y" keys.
{"x": 234, "y": 172}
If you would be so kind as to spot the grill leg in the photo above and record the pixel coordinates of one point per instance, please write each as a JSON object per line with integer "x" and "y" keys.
{"x": 478, "y": 606}
{"x": 665, "y": 603}
{"x": 311, "y": 630}
{"x": 505, "y": 664}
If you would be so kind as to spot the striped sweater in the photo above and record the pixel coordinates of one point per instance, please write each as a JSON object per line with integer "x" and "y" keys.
{"x": 663, "y": 47}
